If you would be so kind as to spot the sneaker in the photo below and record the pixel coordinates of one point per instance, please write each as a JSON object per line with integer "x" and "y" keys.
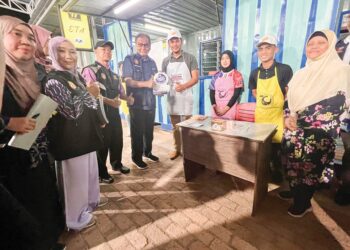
{"x": 285, "y": 195}
{"x": 91, "y": 223}
{"x": 140, "y": 164}
{"x": 152, "y": 157}
{"x": 173, "y": 155}
{"x": 108, "y": 179}
{"x": 103, "y": 201}
{"x": 296, "y": 213}
{"x": 122, "y": 169}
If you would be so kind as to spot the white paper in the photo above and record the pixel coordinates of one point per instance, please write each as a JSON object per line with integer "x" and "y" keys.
{"x": 43, "y": 108}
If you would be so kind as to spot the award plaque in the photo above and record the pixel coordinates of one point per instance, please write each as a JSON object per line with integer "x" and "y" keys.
{"x": 161, "y": 85}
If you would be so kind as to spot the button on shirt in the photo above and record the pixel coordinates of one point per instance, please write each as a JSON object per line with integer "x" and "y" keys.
{"x": 140, "y": 69}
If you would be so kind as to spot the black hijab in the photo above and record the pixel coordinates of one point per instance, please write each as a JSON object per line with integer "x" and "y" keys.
{"x": 231, "y": 66}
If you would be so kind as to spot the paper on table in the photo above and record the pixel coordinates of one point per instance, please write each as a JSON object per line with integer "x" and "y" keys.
{"x": 41, "y": 111}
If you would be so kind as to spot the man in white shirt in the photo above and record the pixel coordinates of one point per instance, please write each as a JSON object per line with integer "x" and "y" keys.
{"x": 182, "y": 69}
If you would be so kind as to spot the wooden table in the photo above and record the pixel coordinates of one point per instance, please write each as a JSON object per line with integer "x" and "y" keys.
{"x": 242, "y": 150}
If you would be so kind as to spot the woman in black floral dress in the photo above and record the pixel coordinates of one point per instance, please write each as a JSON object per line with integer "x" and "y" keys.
{"x": 316, "y": 99}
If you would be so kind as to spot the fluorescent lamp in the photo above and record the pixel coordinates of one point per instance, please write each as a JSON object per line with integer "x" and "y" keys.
{"x": 156, "y": 28}
{"x": 125, "y": 5}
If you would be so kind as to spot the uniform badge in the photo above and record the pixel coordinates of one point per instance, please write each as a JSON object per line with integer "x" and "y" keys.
{"x": 136, "y": 61}
{"x": 72, "y": 85}
{"x": 103, "y": 75}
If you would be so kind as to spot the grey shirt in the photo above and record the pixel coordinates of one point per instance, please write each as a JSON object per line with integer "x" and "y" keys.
{"x": 189, "y": 59}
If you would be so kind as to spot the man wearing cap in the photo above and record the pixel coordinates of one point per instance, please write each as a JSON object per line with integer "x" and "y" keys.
{"x": 182, "y": 69}
{"x": 138, "y": 72}
{"x": 269, "y": 84}
{"x": 111, "y": 89}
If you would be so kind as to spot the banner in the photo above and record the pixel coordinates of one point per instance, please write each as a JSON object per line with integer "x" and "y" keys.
{"x": 75, "y": 27}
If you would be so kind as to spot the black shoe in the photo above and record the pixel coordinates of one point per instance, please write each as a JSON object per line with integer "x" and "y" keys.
{"x": 285, "y": 195}
{"x": 296, "y": 212}
{"x": 122, "y": 169}
{"x": 58, "y": 246}
{"x": 152, "y": 157}
{"x": 108, "y": 179}
{"x": 140, "y": 164}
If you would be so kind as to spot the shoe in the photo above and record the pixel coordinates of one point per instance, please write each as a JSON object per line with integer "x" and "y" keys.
{"x": 103, "y": 201}
{"x": 58, "y": 246}
{"x": 173, "y": 155}
{"x": 91, "y": 223}
{"x": 285, "y": 195}
{"x": 140, "y": 164}
{"x": 108, "y": 179}
{"x": 152, "y": 157}
{"x": 297, "y": 213}
{"x": 122, "y": 169}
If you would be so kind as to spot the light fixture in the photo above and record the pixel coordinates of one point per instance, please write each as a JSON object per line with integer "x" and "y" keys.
{"x": 125, "y": 5}
{"x": 156, "y": 28}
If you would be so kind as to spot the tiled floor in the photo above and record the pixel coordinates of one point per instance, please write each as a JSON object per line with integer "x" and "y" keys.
{"x": 157, "y": 209}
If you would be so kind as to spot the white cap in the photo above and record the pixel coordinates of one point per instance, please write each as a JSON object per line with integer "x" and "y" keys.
{"x": 269, "y": 39}
{"x": 174, "y": 33}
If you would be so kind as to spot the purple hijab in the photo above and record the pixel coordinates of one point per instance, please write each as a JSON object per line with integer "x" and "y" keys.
{"x": 53, "y": 47}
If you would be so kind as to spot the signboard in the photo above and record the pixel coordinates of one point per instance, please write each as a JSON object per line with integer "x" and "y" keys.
{"x": 76, "y": 29}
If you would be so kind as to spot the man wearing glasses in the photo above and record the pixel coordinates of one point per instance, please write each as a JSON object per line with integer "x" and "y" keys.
{"x": 138, "y": 72}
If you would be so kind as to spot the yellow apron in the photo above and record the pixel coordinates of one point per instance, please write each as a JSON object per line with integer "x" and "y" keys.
{"x": 124, "y": 106}
{"x": 269, "y": 104}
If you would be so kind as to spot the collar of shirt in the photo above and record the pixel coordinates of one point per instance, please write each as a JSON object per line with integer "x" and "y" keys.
{"x": 103, "y": 65}
{"x": 143, "y": 58}
{"x": 181, "y": 54}
{"x": 271, "y": 68}
{"x": 347, "y": 39}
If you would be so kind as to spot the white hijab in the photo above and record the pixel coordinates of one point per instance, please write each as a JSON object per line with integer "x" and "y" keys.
{"x": 320, "y": 79}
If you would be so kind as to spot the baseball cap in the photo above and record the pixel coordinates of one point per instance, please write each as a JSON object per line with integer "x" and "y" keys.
{"x": 269, "y": 39}
{"x": 174, "y": 33}
{"x": 104, "y": 43}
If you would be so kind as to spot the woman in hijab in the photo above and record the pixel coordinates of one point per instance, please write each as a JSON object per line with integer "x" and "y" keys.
{"x": 316, "y": 100}
{"x": 226, "y": 88}
{"x": 42, "y": 63}
{"x": 74, "y": 134}
{"x": 25, "y": 174}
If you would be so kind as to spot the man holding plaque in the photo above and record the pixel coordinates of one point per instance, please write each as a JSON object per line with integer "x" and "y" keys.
{"x": 138, "y": 72}
{"x": 111, "y": 89}
{"x": 182, "y": 70}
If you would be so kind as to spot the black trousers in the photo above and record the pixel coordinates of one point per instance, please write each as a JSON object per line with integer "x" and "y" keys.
{"x": 141, "y": 132}
{"x": 276, "y": 157}
{"x": 113, "y": 142}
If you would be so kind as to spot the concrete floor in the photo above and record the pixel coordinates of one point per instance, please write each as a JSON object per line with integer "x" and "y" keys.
{"x": 157, "y": 209}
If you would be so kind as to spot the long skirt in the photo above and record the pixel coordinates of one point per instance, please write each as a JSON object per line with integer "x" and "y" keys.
{"x": 81, "y": 189}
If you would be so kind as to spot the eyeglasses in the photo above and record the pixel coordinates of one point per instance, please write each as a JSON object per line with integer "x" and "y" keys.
{"x": 145, "y": 45}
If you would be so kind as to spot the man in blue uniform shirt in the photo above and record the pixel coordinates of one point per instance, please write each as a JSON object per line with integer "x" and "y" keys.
{"x": 138, "y": 72}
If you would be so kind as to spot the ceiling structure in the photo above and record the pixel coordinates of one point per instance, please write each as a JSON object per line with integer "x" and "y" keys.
{"x": 153, "y": 17}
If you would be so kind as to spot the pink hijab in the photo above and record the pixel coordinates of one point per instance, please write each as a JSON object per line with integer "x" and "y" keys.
{"x": 41, "y": 36}
{"x": 22, "y": 79}
{"x": 53, "y": 46}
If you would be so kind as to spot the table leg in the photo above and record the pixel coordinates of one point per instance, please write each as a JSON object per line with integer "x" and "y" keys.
{"x": 262, "y": 174}
{"x": 191, "y": 169}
